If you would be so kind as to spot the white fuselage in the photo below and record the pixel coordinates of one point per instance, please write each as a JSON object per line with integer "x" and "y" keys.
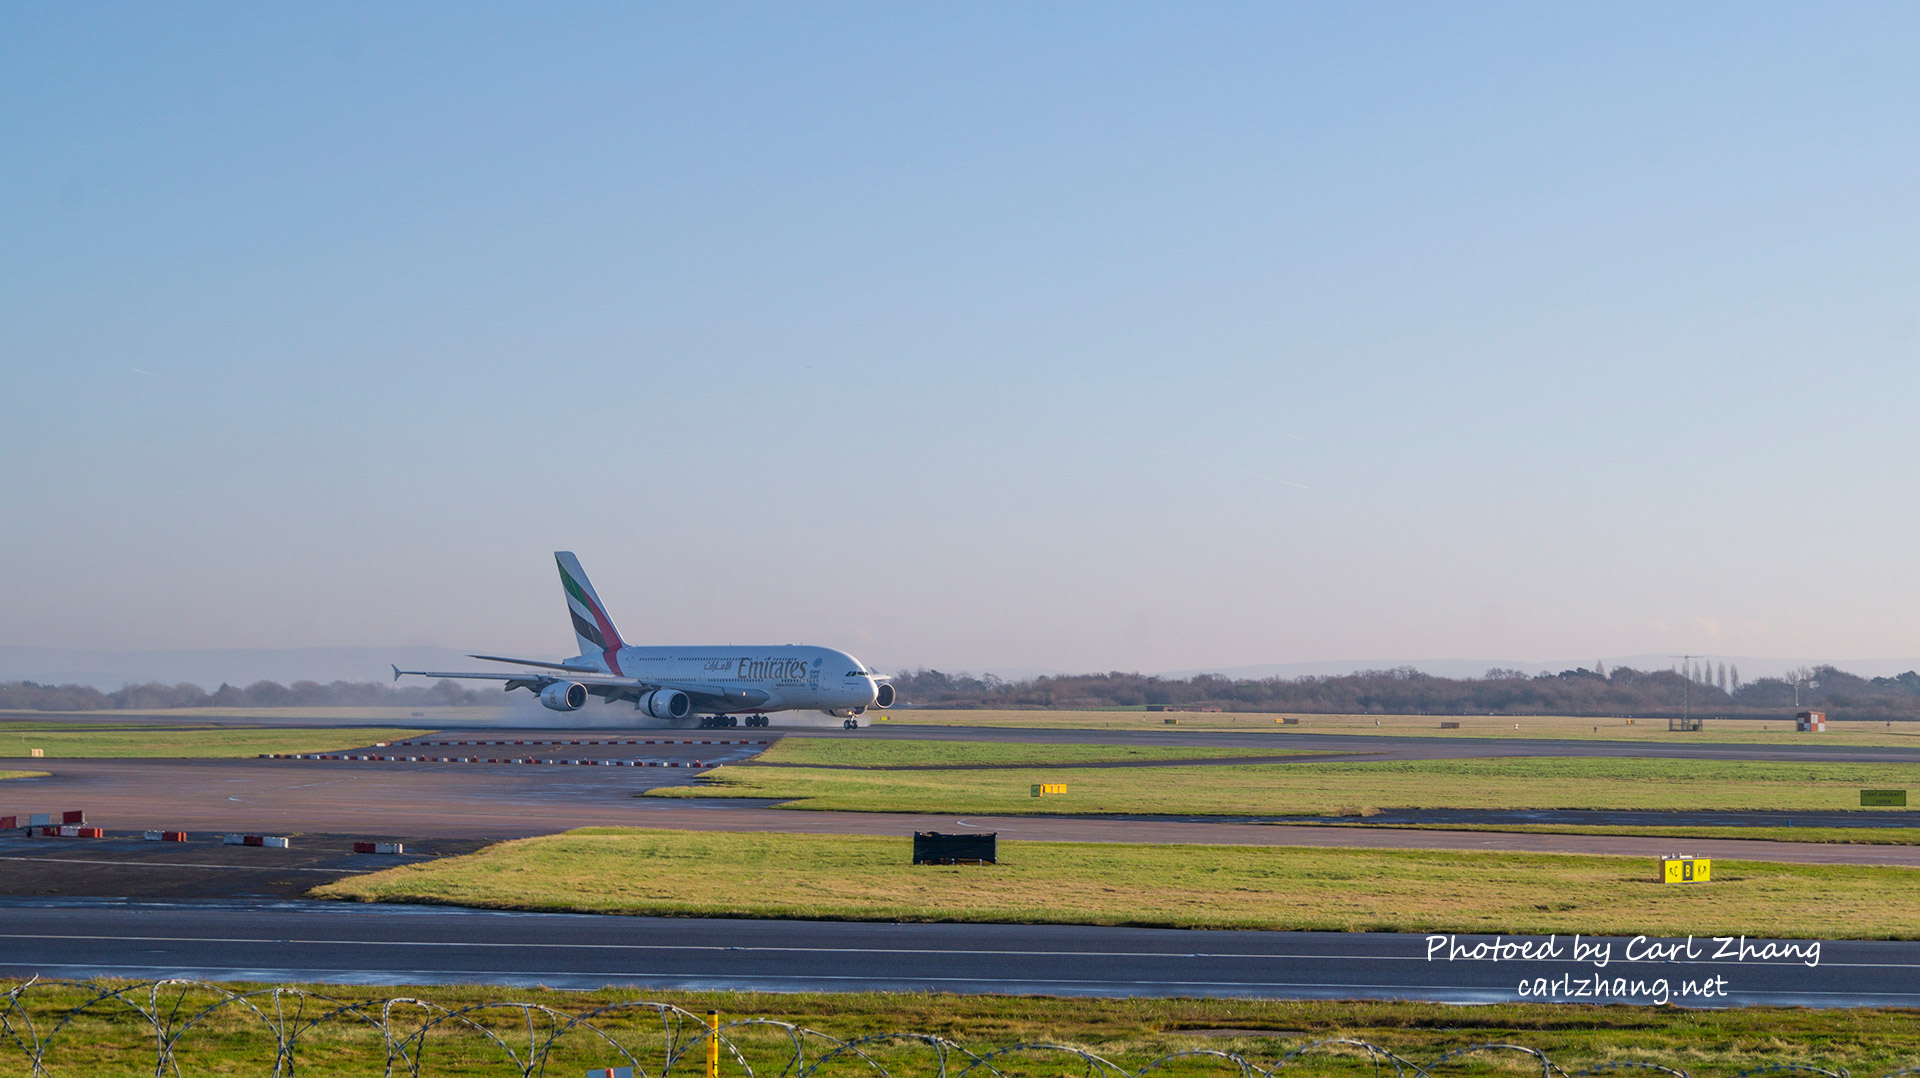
{"x": 755, "y": 679}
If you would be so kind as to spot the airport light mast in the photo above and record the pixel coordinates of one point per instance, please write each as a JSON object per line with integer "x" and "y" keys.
{"x": 1802, "y": 678}
{"x": 1686, "y": 707}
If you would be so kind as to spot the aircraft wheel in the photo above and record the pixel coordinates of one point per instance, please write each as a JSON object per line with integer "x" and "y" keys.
{"x": 851, "y": 724}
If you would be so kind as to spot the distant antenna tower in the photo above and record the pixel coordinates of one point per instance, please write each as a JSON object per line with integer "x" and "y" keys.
{"x": 1686, "y": 708}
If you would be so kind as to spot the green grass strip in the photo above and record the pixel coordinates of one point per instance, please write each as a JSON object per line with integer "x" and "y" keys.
{"x": 1314, "y": 788}
{"x": 114, "y": 1039}
{"x": 840, "y": 877}
{"x": 838, "y": 752}
{"x": 210, "y": 743}
{"x": 1857, "y": 836}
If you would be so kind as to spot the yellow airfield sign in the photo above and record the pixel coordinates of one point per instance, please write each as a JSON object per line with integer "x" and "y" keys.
{"x": 1686, "y": 869}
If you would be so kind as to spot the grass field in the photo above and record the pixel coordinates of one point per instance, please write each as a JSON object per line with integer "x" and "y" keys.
{"x": 5, "y": 775}
{"x": 109, "y": 1039}
{"x": 838, "y": 752}
{"x": 1745, "y": 731}
{"x": 1311, "y": 787}
{"x": 201, "y": 742}
{"x": 836, "y": 877}
{"x": 1858, "y": 836}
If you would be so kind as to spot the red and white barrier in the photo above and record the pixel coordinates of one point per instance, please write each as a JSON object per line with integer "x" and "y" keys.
{"x": 42, "y": 819}
{"x": 276, "y": 841}
{"x": 165, "y": 836}
{"x": 379, "y": 847}
{"x": 476, "y": 760}
{"x": 629, "y": 741}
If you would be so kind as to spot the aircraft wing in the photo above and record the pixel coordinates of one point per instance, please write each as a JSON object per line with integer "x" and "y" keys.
{"x": 526, "y": 662}
{"x": 607, "y": 686}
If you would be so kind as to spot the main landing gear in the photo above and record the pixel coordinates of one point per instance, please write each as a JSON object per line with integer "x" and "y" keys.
{"x": 850, "y": 724}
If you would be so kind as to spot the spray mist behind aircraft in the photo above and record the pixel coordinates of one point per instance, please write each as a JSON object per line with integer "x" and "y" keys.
{"x": 710, "y": 686}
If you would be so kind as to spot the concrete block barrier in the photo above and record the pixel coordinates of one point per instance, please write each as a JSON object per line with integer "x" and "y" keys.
{"x": 165, "y": 836}
{"x": 627, "y": 741}
{"x": 379, "y": 847}
{"x": 42, "y": 819}
{"x": 570, "y": 762}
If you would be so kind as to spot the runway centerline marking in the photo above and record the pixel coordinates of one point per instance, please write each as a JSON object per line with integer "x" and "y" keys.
{"x": 711, "y": 947}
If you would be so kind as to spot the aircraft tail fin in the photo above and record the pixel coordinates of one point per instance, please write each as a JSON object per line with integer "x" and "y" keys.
{"x": 591, "y": 625}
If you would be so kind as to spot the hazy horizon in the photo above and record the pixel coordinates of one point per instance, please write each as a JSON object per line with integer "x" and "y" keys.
{"x": 210, "y": 668}
{"x": 1140, "y": 338}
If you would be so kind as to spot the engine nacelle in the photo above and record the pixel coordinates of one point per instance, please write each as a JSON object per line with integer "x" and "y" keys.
{"x": 564, "y": 696}
{"x": 666, "y": 704}
{"x": 883, "y": 694}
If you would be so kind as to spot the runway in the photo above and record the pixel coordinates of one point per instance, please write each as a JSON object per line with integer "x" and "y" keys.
{"x": 394, "y": 945}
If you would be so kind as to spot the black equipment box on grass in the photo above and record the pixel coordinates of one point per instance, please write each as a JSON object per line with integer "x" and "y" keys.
{"x": 935, "y": 848}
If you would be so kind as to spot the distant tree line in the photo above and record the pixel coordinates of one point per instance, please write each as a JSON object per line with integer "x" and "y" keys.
{"x": 1699, "y": 689}
{"x": 32, "y": 696}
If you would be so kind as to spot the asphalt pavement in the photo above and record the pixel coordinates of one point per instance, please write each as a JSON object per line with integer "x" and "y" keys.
{"x": 400, "y": 945}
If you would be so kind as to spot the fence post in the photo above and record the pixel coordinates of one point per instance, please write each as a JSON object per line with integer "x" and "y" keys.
{"x": 713, "y": 1044}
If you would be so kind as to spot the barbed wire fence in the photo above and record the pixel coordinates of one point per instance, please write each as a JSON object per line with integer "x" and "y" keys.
{"x": 288, "y": 1030}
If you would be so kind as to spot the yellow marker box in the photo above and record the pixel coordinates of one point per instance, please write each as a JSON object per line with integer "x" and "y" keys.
{"x": 1041, "y": 789}
{"x": 1686, "y": 869}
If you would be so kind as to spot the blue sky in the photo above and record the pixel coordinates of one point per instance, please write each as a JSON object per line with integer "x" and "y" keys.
{"x": 1070, "y": 336}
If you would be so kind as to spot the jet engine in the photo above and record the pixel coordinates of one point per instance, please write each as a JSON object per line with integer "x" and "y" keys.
{"x": 665, "y": 704}
{"x": 883, "y": 694}
{"x": 564, "y": 696}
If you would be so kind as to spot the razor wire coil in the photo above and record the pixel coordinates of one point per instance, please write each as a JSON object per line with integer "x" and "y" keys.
{"x": 522, "y": 1037}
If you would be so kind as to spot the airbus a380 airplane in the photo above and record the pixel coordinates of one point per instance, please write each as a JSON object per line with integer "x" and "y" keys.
{"x": 713, "y": 683}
